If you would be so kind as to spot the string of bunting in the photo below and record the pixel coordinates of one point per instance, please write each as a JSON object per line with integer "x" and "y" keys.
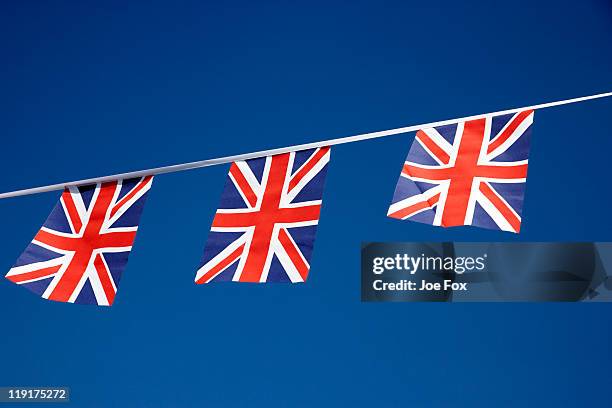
{"x": 463, "y": 171}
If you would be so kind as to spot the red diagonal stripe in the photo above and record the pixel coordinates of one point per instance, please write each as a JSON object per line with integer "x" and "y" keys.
{"x": 416, "y": 207}
{"x": 224, "y": 263}
{"x": 310, "y": 163}
{"x": 433, "y": 147}
{"x": 57, "y": 241}
{"x": 243, "y": 184}
{"x": 137, "y": 188}
{"x": 105, "y": 279}
{"x": 515, "y": 123}
{"x": 294, "y": 253}
{"x": 38, "y": 274}
{"x": 502, "y": 207}
{"x": 72, "y": 212}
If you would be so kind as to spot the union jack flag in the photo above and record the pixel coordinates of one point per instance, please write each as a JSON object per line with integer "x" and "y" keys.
{"x": 265, "y": 226}
{"x": 81, "y": 250}
{"x": 469, "y": 173}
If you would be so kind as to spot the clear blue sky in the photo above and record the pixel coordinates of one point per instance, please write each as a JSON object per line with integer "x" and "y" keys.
{"x": 90, "y": 89}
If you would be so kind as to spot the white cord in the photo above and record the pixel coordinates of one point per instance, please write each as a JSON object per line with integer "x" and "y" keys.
{"x": 263, "y": 153}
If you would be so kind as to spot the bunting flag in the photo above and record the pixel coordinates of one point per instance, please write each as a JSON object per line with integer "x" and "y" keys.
{"x": 265, "y": 226}
{"x": 81, "y": 250}
{"x": 469, "y": 173}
